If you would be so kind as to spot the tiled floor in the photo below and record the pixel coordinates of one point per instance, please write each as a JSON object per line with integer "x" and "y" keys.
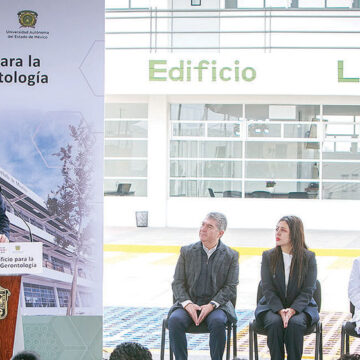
{"x": 144, "y": 325}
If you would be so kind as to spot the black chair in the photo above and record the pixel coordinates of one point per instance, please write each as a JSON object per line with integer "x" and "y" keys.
{"x": 232, "y": 193}
{"x": 254, "y": 330}
{"x": 231, "y": 327}
{"x": 211, "y": 192}
{"x": 298, "y": 195}
{"x": 347, "y": 330}
{"x": 260, "y": 194}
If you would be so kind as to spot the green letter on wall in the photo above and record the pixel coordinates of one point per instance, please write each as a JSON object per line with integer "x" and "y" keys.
{"x": 153, "y": 70}
{"x": 341, "y": 73}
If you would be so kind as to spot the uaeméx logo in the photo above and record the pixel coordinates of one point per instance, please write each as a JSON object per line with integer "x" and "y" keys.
{"x": 27, "y": 18}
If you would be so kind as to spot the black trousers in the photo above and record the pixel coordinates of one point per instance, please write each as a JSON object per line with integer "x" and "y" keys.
{"x": 180, "y": 320}
{"x": 292, "y": 337}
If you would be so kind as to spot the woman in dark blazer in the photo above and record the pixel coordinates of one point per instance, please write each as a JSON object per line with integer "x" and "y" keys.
{"x": 288, "y": 280}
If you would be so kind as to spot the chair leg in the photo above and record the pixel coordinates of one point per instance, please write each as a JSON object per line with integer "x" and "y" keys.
{"x": 234, "y": 341}
{"x": 256, "y": 348}
{"x": 342, "y": 340}
{"x": 228, "y": 339}
{"x": 347, "y": 344}
{"x": 251, "y": 341}
{"x": 317, "y": 341}
{"x": 163, "y": 334}
{"x": 321, "y": 342}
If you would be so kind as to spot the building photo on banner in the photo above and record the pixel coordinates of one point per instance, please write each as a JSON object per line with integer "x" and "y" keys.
{"x": 250, "y": 108}
{"x": 51, "y": 159}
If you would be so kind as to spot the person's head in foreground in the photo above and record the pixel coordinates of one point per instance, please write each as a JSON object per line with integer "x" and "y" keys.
{"x": 130, "y": 351}
{"x": 350, "y": 357}
{"x": 26, "y": 355}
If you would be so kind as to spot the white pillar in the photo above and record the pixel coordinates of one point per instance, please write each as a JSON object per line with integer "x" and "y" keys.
{"x": 158, "y": 160}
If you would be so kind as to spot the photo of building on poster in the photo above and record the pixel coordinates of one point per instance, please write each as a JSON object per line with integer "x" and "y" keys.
{"x": 47, "y": 168}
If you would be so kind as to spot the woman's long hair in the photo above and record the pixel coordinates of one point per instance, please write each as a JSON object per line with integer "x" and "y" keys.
{"x": 298, "y": 245}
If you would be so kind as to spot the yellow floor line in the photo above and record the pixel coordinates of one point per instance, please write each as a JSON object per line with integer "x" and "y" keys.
{"x": 175, "y": 249}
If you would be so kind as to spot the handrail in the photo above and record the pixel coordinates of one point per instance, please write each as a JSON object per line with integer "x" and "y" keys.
{"x": 109, "y": 10}
{"x": 158, "y": 27}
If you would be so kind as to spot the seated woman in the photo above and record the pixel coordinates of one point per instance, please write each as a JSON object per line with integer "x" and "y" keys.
{"x": 354, "y": 294}
{"x": 288, "y": 280}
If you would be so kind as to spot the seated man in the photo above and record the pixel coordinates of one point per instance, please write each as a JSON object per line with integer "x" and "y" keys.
{"x": 205, "y": 280}
{"x": 130, "y": 351}
{"x": 4, "y": 222}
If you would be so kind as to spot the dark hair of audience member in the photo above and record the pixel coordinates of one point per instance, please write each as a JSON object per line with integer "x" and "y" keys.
{"x": 350, "y": 357}
{"x": 130, "y": 351}
{"x": 26, "y": 355}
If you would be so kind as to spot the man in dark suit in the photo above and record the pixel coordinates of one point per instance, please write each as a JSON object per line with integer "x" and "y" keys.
{"x": 4, "y": 222}
{"x": 204, "y": 288}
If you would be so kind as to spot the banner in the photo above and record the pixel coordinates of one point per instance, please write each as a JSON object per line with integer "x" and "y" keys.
{"x": 51, "y": 161}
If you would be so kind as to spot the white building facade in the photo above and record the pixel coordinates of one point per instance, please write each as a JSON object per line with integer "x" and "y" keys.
{"x": 254, "y": 112}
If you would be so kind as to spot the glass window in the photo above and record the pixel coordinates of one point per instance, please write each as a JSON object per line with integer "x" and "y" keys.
{"x": 289, "y": 113}
{"x": 37, "y": 224}
{"x": 220, "y": 112}
{"x": 126, "y": 111}
{"x": 341, "y": 170}
{"x": 264, "y": 130}
{"x": 61, "y": 265}
{"x": 188, "y": 129}
{"x": 205, "y": 168}
{"x": 125, "y": 177}
{"x": 281, "y": 150}
{"x": 200, "y": 188}
{"x": 126, "y": 187}
{"x": 339, "y": 3}
{"x": 341, "y": 121}
{"x": 300, "y": 130}
{"x": 39, "y": 295}
{"x": 64, "y": 297}
{"x": 126, "y": 129}
{"x": 125, "y": 148}
{"x": 341, "y": 191}
{"x": 337, "y": 150}
{"x": 205, "y": 149}
{"x": 286, "y": 167}
{"x": 281, "y": 170}
{"x": 282, "y": 189}
{"x": 256, "y": 112}
{"x": 223, "y": 130}
{"x": 128, "y": 168}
